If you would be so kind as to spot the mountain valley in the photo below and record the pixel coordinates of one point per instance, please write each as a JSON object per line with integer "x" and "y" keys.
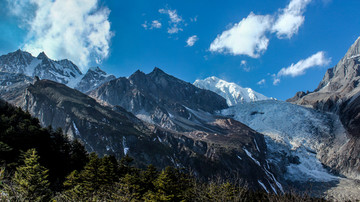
{"x": 211, "y": 127}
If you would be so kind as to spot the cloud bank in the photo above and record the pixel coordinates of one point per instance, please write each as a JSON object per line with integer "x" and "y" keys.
{"x": 78, "y": 30}
{"x": 250, "y": 36}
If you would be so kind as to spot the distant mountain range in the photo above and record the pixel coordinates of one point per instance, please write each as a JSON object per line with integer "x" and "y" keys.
{"x": 212, "y": 127}
{"x": 63, "y": 71}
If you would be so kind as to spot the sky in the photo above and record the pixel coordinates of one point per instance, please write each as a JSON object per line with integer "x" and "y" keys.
{"x": 274, "y": 47}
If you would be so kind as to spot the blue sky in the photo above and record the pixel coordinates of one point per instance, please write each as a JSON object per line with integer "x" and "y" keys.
{"x": 252, "y": 43}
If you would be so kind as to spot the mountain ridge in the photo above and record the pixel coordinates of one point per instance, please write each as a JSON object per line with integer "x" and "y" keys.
{"x": 62, "y": 71}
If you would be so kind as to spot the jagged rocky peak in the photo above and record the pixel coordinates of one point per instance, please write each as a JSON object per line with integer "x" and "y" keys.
{"x": 232, "y": 92}
{"x": 344, "y": 73}
{"x": 42, "y": 56}
{"x": 159, "y": 98}
{"x": 157, "y": 72}
{"x": 15, "y": 62}
{"x": 93, "y": 78}
{"x": 137, "y": 75}
{"x": 354, "y": 50}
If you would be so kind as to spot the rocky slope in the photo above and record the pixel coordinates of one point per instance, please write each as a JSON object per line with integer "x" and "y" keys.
{"x": 214, "y": 145}
{"x": 232, "y": 92}
{"x": 163, "y": 100}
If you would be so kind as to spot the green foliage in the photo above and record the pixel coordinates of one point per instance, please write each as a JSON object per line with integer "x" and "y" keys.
{"x": 99, "y": 174}
{"x": 20, "y": 132}
{"x": 170, "y": 185}
{"x": 31, "y": 179}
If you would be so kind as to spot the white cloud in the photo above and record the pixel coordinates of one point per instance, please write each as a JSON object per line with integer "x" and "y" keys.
{"x": 248, "y": 37}
{"x": 155, "y": 24}
{"x": 290, "y": 19}
{"x": 261, "y": 82}
{"x": 318, "y": 59}
{"x": 78, "y": 30}
{"x": 194, "y": 19}
{"x": 175, "y": 21}
{"x": 276, "y": 81}
{"x": 192, "y": 40}
{"x": 145, "y": 25}
{"x": 245, "y": 66}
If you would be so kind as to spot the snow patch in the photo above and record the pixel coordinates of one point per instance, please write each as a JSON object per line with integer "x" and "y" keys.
{"x": 263, "y": 186}
{"x": 249, "y": 155}
{"x": 126, "y": 149}
{"x": 76, "y": 129}
{"x": 257, "y": 147}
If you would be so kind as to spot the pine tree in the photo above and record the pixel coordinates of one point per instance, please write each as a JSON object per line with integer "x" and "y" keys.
{"x": 92, "y": 175}
{"x": 171, "y": 185}
{"x": 30, "y": 180}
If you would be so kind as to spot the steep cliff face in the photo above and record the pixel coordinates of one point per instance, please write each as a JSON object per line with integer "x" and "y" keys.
{"x": 339, "y": 84}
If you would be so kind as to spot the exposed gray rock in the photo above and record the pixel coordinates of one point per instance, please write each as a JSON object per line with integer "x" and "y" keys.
{"x": 93, "y": 78}
{"x": 162, "y": 99}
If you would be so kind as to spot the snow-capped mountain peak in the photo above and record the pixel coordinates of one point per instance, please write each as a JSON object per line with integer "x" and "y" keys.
{"x": 232, "y": 92}
{"x": 61, "y": 71}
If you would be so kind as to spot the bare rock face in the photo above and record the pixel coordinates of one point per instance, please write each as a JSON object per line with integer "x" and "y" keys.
{"x": 161, "y": 99}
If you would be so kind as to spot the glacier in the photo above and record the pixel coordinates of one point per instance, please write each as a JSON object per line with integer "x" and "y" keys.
{"x": 289, "y": 130}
